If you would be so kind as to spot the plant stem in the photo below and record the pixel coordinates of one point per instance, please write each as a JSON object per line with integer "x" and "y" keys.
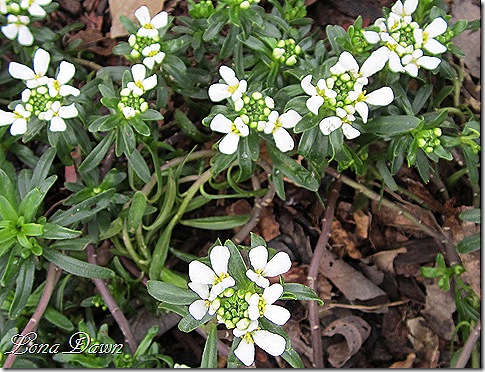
{"x": 111, "y": 303}
{"x": 53, "y": 275}
{"x": 469, "y": 346}
{"x": 92, "y": 65}
{"x": 313, "y": 273}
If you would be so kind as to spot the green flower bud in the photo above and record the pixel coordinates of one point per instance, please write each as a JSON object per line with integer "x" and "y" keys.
{"x": 437, "y": 131}
{"x": 257, "y": 95}
{"x": 421, "y": 142}
{"x": 291, "y": 61}
{"x": 245, "y": 5}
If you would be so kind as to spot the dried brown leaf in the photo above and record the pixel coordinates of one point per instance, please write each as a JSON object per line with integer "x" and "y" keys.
{"x": 385, "y": 259}
{"x": 424, "y": 341}
{"x": 342, "y": 240}
{"x": 407, "y": 363}
{"x": 439, "y": 309}
{"x": 128, "y": 8}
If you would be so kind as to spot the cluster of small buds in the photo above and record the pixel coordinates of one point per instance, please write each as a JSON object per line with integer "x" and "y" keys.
{"x": 146, "y": 42}
{"x": 18, "y": 13}
{"x": 428, "y": 139}
{"x": 240, "y": 305}
{"x": 294, "y": 10}
{"x": 44, "y": 96}
{"x": 254, "y": 112}
{"x": 243, "y": 4}
{"x": 404, "y": 41}
{"x": 131, "y": 102}
{"x": 202, "y": 9}
{"x": 343, "y": 93}
{"x": 287, "y": 51}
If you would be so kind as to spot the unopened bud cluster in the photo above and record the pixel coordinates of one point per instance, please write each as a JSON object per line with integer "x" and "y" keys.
{"x": 428, "y": 139}
{"x": 202, "y": 9}
{"x": 286, "y": 52}
{"x": 131, "y": 105}
{"x": 233, "y": 307}
{"x": 256, "y": 110}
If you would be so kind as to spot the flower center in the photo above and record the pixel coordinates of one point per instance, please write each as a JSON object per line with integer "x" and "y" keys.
{"x": 255, "y": 110}
{"x": 234, "y": 307}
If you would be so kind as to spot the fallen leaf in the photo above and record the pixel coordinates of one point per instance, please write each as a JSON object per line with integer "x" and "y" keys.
{"x": 268, "y": 225}
{"x": 472, "y": 276}
{"x": 385, "y": 259}
{"x": 343, "y": 241}
{"x": 128, "y": 8}
{"x": 355, "y": 331}
{"x": 438, "y": 311}
{"x": 424, "y": 341}
{"x": 407, "y": 363}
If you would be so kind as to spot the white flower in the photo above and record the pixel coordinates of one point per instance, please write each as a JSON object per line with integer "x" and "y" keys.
{"x": 317, "y": 92}
{"x": 36, "y": 77}
{"x": 258, "y": 256}
{"x": 218, "y": 275}
{"x": 128, "y": 112}
{"x": 380, "y": 97}
{"x": 276, "y": 125}
{"x": 342, "y": 120}
{"x": 272, "y": 343}
{"x": 56, "y": 115}
{"x": 17, "y": 28}
{"x": 263, "y": 305}
{"x": 234, "y": 131}
{"x": 233, "y": 87}
{"x": 208, "y": 303}
{"x": 34, "y": 7}
{"x": 426, "y": 37}
{"x": 58, "y": 85}
{"x": 412, "y": 62}
{"x": 141, "y": 84}
{"x": 404, "y": 11}
{"x": 18, "y": 118}
{"x": 149, "y": 27}
{"x": 152, "y": 55}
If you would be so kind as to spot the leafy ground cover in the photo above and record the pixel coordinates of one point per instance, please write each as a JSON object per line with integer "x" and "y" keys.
{"x": 240, "y": 183}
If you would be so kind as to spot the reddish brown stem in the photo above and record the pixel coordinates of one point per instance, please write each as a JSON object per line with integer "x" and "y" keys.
{"x": 313, "y": 273}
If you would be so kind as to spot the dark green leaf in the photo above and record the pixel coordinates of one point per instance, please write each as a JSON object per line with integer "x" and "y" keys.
{"x": 171, "y": 294}
{"x": 6, "y": 210}
{"x": 77, "y": 244}
{"x": 139, "y": 165}
{"x": 137, "y": 210}
{"x": 31, "y": 203}
{"x": 256, "y": 241}
{"x": 54, "y": 231}
{"x": 58, "y": 319}
{"x": 471, "y": 215}
{"x": 24, "y": 284}
{"x": 469, "y": 244}
{"x": 209, "y": 355}
{"x": 8, "y": 190}
{"x": 189, "y": 128}
{"x": 385, "y": 174}
{"x": 217, "y": 222}
{"x": 41, "y": 170}
{"x": 98, "y": 153}
{"x": 391, "y": 125}
{"x": 300, "y": 292}
{"x": 237, "y": 266}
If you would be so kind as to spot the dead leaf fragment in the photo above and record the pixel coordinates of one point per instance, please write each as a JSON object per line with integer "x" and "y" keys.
{"x": 355, "y": 331}
{"x": 424, "y": 341}
{"x": 407, "y": 363}
{"x": 385, "y": 259}
{"x": 439, "y": 309}
{"x": 128, "y": 8}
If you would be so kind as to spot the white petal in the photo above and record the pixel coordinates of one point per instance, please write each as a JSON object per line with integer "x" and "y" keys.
{"x": 229, "y": 144}
{"x": 253, "y": 300}
{"x": 228, "y": 282}
{"x": 68, "y": 90}
{"x": 149, "y": 62}
{"x": 68, "y": 112}
{"x": 218, "y": 92}
{"x": 284, "y": 141}
{"x": 380, "y": 97}
{"x": 418, "y": 35}
{"x": 221, "y": 124}
{"x": 371, "y": 36}
{"x": 41, "y": 62}
{"x": 429, "y": 63}
{"x": 289, "y": 119}
{"x": 245, "y": 352}
{"x": 307, "y": 86}
{"x": 128, "y": 112}
{"x": 198, "y": 309}
{"x": 37, "y": 10}
{"x": 6, "y": 118}
{"x": 249, "y": 273}
{"x": 376, "y": 62}
{"x": 337, "y": 69}
{"x": 138, "y": 72}
{"x": 143, "y": 15}
{"x": 253, "y": 312}
{"x": 258, "y": 256}
{"x": 272, "y": 293}
{"x": 150, "y": 82}
{"x": 201, "y": 273}
{"x": 66, "y": 72}
{"x": 241, "y": 127}
{"x": 238, "y": 105}
{"x": 395, "y": 63}
{"x": 437, "y": 27}
{"x": 410, "y": 6}
{"x": 350, "y": 132}
{"x": 19, "y": 71}
{"x": 363, "y": 110}
{"x": 277, "y": 314}
{"x": 202, "y": 290}
{"x": 19, "y": 126}
{"x": 411, "y": 69}
{"x": 328, "y": 125}
{"x": 272, "y": 343}
{"x": 160, "y": 20}
{"x": 313, "y": 104}
{"x": 397, "y": 7}
{"x": 10, "y": 31}
{"x": 349, "y": 62}
{"x": 243, "y": 85}
{"x": 57, "y": 124}
{"x": 279, "y": 264}
{"x": 434, "y": 46}
{"x": 228, "y": 75}
{"x": 25, "y": 36}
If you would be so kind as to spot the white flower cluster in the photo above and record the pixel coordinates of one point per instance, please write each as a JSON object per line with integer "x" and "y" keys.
{"x": 18, "y": 13}
{"x": 404, "y": 41}
{"x": 44, "y": 96}
{"x": 146, "y": 42}
{"x": 240, "y": 307}
{"x": 255, "y": 111}
{"x": 131, "y": 103}
{"x": 343, "y": 93}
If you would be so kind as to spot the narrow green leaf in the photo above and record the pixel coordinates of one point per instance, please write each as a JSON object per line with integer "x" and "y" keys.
{"x": 98, "y": 153}
{"x": 386, "y": 174}
{"x": 31, "y": 203}
{"x": 54, "y": 231}
{"x": 469, "y": 244}
{"x": 6, "y": 210}
{"x": 139, "y": 165}
{"x": 77, "y": 267}
{"x": 300, "y": 292}
{"x": 170, "y": 293}
{"x": 136, "y": 211}
{"x": 8, "y": 190}
{"x": 58, "y": 319}
{"x": 24, "y": 284}
{"x": 237, "y": 266}
{"x": 189, "y": 128}
{"x": 471, "y": 215}
{"x": 188, "y": 323}
{"x": 209, "y": 355}
{"x": 256, "y": 240}
{"x": 32, "y": 229}
{"x": 77, "y": 244}
{"x": 41, "y": 170}
{"x": 391, "y": 125}
{"x": 217, "y": 222}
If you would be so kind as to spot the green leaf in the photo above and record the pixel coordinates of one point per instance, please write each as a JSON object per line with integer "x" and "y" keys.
{"x": 391, "y": 125}
{"x": 6, "y": 210}
{"x": 217, "y": 222}
{"x": 171, "y": 294}
{"x": 78, "y": 244}
{"x": 386, "y": 174}
{"x": 24, "y": 284}
{"x": 115, "y": 227}
{"x": 31, "y": 203}
{"x": 139, "y": 165}
{"x": 252, "y": 43}
{"x": 237, "y": 266}
{"x": 136, "y": 211}
{"x": 256, "y": 240}
{"x": 471, "y": 215}
{"x": 188, "y": 128}
{"x": 8, "y": 190}
{"x": 146, "y": 342}
{"x": 32, "y": 229}
{"x": 422, "y": 96}
{"x": 220, "y": 162}
{"x": 141, "y": 128}
{"x": 298, "y": 291}
{"x": 41, "y": 170}
{"x": 77, "y": 267}
{"x": 469, "y": 244}
{"x": 54, "y": 231}
{"x": 98, "y": 153}
{"x": 209, "y": 355}
{"x": 128, "y": 24}
{"x": 58, "y": 319}
{"x": 151, "y": 114}
{"x": 110, "y": 102}
{"x": 188, "y": 323}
